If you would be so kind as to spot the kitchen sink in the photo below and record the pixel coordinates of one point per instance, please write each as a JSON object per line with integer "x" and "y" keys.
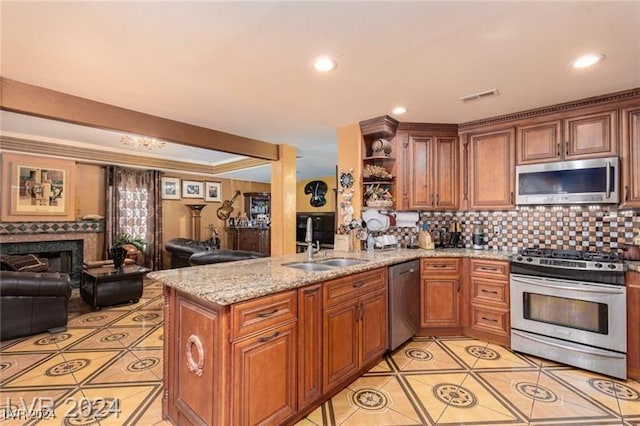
{"x": 324, "y": 265}
{"x": 342, "y": 261}
{"x": 308, "y": 266}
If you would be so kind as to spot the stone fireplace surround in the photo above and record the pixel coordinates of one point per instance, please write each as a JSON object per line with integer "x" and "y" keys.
{"x": 80, "y": 238}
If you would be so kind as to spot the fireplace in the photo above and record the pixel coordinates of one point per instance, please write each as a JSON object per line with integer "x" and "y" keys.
{"x": 67, "y": 244}
{"x": 64, "y": 256}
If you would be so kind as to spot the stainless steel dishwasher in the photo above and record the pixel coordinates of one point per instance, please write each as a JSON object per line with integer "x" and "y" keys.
{"x": 404, "y": 302}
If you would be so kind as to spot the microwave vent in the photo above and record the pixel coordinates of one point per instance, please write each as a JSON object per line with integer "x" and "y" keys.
{"x": 480, "y": 95}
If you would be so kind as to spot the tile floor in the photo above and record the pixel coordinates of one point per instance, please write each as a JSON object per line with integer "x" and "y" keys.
{"x": 107, "y": 370}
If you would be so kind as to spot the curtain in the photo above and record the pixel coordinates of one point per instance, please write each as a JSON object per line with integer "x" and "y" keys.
{"x": 134, "y": 206}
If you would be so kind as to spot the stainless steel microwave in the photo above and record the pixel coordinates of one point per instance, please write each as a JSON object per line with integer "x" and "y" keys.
{"x": 592, "y": 181}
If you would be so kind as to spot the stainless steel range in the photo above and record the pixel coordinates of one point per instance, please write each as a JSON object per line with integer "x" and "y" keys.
{"x": 570, "y": 306}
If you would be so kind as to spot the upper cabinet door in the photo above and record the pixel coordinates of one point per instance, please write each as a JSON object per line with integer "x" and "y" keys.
{"x": 491, "y": 164}
{"x": 446, "y": 173}
{"x": 631, "y": 157}
{"x": 421, "y": 188}
{"x": 540, "y": 142}
{"x": 591, "y": 135}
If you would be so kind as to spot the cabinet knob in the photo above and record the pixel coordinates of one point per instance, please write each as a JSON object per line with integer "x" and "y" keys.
{"x": 626, "y": 193}
{"x": 558, "y": 149}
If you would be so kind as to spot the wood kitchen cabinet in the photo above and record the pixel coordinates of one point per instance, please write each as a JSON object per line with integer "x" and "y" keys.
{"x": 309, "y": 345}
{"x": 487, "y": 292}
{"x": 491, "y": 163}
{"x": 433, "y": 172}
{"x": 263, "y": 364}
{"x": 632, "y": 280}
{"x": 571, "y": 136}
{"x": 630, "y": 196}
{"x": 440, "y": 295}
{"x": 355, "y": 324}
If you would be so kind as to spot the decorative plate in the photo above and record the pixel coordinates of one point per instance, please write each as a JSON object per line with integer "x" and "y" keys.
{"x": 346, "y": 180}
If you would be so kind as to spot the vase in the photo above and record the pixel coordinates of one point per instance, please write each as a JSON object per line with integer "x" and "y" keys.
{"x": 118, "y": 254}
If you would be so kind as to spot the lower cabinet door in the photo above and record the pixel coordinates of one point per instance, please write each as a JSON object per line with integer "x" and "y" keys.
{"x": 340, "y": 342}
{"x": 264, "y": 377}
{"x": 440, "y": 302}
{"x": 373, "y": 326}
{"x": 309, "y": 344}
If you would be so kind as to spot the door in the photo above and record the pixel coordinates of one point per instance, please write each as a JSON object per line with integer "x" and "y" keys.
{"x": 340, "y": 343}
{"x": 440, "y": 302}
{"x": 373, "y": 326}
{"x": 591, "y": 135}
{"x": 492, "y": 164}
{"x": 631, "y": 157}
{"x": 539, "y": 143}
{"x": 421, "y": 188}
{"x": 309, "y": 344}
{"x": 446, "y": 173}
{"x": 264, "y": 377}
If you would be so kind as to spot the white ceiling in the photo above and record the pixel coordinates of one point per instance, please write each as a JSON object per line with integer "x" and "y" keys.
{"x": 245, "y": 67}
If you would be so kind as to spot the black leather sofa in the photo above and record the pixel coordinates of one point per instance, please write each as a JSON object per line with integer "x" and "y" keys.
{"x": 187, "y": 252}
{"x": 33, "y": 302}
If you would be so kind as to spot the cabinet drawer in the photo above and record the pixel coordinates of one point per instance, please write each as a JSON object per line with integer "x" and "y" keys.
{"x": 489, "y": 291}
{"x": 494, "y": 269}
{"x": 256, "y": 315}
{"x": 495, "y": 321}
{"x": 440, "y": 266}
{"x": 347, "y": 288}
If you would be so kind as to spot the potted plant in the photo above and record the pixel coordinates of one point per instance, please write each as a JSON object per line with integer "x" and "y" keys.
{"x": 119, "y": 251}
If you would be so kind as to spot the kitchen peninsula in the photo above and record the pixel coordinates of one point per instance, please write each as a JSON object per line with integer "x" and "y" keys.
{"x": 258, "y": 341}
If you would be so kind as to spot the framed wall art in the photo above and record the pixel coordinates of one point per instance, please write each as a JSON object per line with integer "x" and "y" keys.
{"x": 38, "y": 187}
{"x": 192, "y": 189}
{"x": 170, "y": 188}
{"x": 213, "y": 191}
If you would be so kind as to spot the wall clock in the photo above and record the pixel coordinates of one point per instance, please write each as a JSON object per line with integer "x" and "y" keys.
{"x": 346, "y": 180}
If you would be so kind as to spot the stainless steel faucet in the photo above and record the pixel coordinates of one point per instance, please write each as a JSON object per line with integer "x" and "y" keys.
{"x": 308, "y": 238}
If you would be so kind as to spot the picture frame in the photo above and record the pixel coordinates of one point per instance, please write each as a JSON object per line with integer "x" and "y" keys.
{"x": 42, "y": 187}
{"x": 192, "y": 189}
{"x": 170, "y": 188}
{"x": 213, "y": 192}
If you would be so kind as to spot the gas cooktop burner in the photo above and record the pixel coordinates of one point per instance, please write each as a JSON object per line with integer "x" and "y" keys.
{"x": 575, "y": 260}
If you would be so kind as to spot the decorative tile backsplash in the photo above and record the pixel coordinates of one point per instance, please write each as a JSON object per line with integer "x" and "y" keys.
{"x": 556, "y": 227}
{"x": 51, "y": 227}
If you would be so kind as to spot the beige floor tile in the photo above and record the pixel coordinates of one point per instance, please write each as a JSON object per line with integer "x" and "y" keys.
{"x": 49, "y": 341}
{"x": 306, "y": 422}
{"x": 596, "y": 386}
{"x": 96, "y": 319}
{"x": 13, "y": 364}
{"x": 132, "y": 367}
{"x": 146, "y": 319}
{"x": 557, "y": 401}
{"x": 20, "y": 406}
{"x": 400, "y": 402}
{"x": 424, "y": 386}
{"x": 429, "y": 357}
{"x": 106, "y": 406}
{"x": 517, "y": 388}
{"x": 63, "y": 370}
{"x": 477, "y": 354}
{"x": 342, "y": 407}
{"x": 156, "y": 304}
{"x": 389, "y": 417}
{"x": 109, "y": 338}
{"x": 316, "y": 417}
{"x": 155, "y": 339}
{"x": 370, "y": 382}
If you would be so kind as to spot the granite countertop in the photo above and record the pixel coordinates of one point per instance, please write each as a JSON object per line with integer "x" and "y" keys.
{"x": 232, "y": 282}
{"x": 633, "y": 265}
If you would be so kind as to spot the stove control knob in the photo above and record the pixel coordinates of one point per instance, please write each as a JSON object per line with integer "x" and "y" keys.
{"x": 529, "y": 259}
{"x": 519, "y": 258}
{"x": 612, "y": 266}
{"x": 598, "y": 265}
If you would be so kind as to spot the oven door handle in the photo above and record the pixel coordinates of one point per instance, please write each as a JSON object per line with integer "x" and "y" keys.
{"x": 586, "y": 288}
{"x": 563, "y": 347}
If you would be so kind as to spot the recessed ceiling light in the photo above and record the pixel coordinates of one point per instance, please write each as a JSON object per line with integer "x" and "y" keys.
{"x": 324, "y": 64}
{"x": 587, "y": 60}
{"x": 399, "y": 110}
